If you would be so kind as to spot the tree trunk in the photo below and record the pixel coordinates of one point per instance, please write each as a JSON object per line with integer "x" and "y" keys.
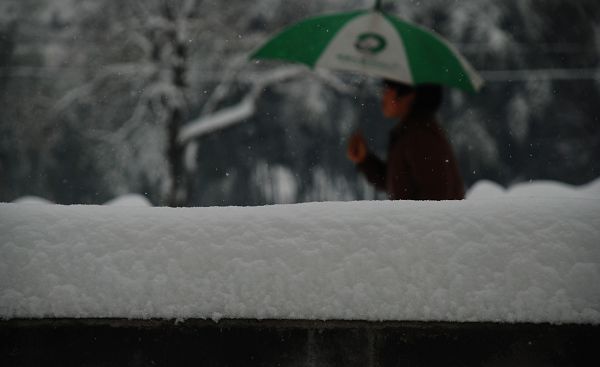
{"x": 178, "y": 195}
{"x": 178, "y": 190}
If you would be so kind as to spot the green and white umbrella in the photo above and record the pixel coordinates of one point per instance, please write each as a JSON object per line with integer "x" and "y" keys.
{"x": 374, "y": 43}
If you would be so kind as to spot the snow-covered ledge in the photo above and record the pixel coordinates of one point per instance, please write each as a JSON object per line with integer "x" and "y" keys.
{"x": 506, "y": 259}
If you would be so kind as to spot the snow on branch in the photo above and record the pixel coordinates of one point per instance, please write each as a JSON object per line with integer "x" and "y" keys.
{"x": 246, "y": 108}
{"x": 125, "y": 71}
{"x": 217, "y": 121}
{"x": 237, "y": 113}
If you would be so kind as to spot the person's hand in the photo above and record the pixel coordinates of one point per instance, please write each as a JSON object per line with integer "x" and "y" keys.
{"x": 357, "y": 148}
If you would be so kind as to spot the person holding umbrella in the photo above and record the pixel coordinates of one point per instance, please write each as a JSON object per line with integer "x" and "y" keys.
{"x": 414, "y": 62}
{"x": 420, "y": 163}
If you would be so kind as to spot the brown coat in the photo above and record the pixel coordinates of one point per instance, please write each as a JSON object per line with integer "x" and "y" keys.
{"x": 420, "y": 164}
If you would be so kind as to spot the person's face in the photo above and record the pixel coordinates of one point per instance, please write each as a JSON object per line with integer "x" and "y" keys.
{"x": 395, "y": 106}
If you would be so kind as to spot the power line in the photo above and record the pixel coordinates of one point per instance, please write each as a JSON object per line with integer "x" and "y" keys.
{"x": 493, "y": 76}
{"x": 540, "y": 74}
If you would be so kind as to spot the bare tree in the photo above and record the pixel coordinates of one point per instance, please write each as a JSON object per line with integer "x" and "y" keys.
{"x": 162, "y": 60}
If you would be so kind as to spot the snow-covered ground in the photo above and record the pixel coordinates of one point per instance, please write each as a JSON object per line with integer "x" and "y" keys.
{"x": 541, "y": 189}
{"x": 528, "y": 257}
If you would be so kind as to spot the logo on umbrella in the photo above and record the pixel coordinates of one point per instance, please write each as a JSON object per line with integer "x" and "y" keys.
{"x": 370, "y": 43}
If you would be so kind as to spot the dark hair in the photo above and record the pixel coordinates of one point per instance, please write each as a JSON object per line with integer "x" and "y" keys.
{"x": 428, "y": 99}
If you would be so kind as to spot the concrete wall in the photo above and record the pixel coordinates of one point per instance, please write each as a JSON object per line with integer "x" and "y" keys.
{"x": 118, "y": 342}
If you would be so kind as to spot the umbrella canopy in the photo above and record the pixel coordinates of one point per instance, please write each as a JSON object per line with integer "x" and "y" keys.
{"x": 374, "y": 43}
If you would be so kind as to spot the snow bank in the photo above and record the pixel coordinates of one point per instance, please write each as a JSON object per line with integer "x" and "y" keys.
{"x": 283, "y": 190}
{"x": 515, "y": 259}
{"x": 123, "y": 200}
{"x": 130, "y": 200}
{"x": 29, "y": 200}
{"x": 486, "y": 189}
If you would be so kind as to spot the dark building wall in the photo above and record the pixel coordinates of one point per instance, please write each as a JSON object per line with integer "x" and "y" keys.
{"x": 117, "y": 342}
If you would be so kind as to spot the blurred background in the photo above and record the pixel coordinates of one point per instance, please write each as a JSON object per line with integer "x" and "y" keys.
{"x": 100, "y": 98}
